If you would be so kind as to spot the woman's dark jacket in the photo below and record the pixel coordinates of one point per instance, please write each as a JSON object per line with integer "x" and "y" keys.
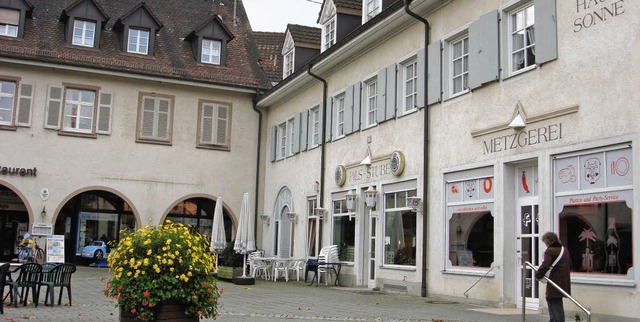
{"x": 560, "y": 274}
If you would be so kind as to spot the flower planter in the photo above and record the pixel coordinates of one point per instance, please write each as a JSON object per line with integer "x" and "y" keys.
{"x": 170, "y": 311}
{"x": 228, "y": 273}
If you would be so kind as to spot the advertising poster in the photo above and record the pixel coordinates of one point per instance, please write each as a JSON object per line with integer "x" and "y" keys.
{"x": 55, "y": 248}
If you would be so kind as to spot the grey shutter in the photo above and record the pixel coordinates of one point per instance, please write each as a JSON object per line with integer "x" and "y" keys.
{"x": 546, "y": 33}
{"x": 104, "y": 113}
{"x": 327, "y": 125}
{"x": 390, "y": 111}
{"x": 53, "y": 108}
{"x": 357, "y": 94}
{"x": 222, "y": 125}
{"x": 382, "y": 95}
{"x": 25, "y": 105}
{"x": 420, "y": 63}
{"x": 304, "y": 127}
{"x": 434, "y": 79}
{"x": 164, "y": 119}
{"x": 295, "y": 147}
{"x": 274, "y": 143}
{"x": 348, "y": 110}
{"x": 483, "y": 50}
{"x": 310, "y": 127}
{"x": 206, "y": 124}
{"x": 146, "y": 126}
{"x": 322, "y": 109}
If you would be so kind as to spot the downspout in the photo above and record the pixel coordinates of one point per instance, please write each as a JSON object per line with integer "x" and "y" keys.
{"x": 255, "y": 206}
{"x": 324, "y": 123}
{"x": 425, "y": 146}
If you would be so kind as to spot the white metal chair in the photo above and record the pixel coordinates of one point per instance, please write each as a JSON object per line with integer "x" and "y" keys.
{"x": 297, "y": 266}
{"x": 281, "y": 268}
{"x": 328, "y": 254}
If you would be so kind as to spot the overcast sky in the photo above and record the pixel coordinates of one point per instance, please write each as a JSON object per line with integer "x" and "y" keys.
{"x": 274, "y": 15}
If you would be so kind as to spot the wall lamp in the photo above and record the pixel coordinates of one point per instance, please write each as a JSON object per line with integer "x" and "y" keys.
{"x": 414, "y": 203}
{"x": 292, "y": 216}
{"x": 370, "y": 196}
{"x": 265, "y": 219}
{"x": 350, "y": 197}
{"x": 319, "y": 212}
{"x": 43, "y": 213}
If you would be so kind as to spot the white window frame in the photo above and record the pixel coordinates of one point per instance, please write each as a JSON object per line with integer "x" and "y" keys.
{"x": 138, "y": 41}
{"x": 290, "y": 135}
{"x": 371, "y": 9}
{"x": 463, "y": 75}
{"x": 155, "y": 114}
{"x": 87, "y": 36}
{"x": 282, "y": 140}
{"x": 207, "y": 54}
{"x": 8, "y": 96}
{"x": 315, "y": 126}
{"x": 338, "y": 102}
{"x": 214, "y": 122}
{"x": 315, "y": 243}
{"x": 399, "y": 207}
{"x": 329, "y": 33}
{"x": 288, "y": 63}
{"x": 343, "y": 201}
{"x": 8, "y": 30}
{"x": 370, "y": 99}
{"x": 508, "y": 19}
{"x": 8, "y": 27}
{"x": 75, "y": 110}
{"x": 408, "y": 77}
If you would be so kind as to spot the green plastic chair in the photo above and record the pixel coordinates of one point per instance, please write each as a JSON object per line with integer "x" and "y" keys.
{"x": 59, "y": 276}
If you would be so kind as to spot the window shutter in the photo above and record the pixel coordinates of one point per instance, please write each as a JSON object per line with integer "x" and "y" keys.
{"x": 274, "y": 143}
{"x": 348, "y": 110}
{"x": 221, "y": 125}
{"x": 357, "y": 95}
{"x": 483, "y": 50}
{"x": 54, "y": 105}
{"x": 434, "y": 79}
{"x": 163, "y": 119}
{"x": 546, "y": 33}
{"x": 382, "y": 95}
{"x": 420, "y": 63}
{"x": 390, "y": 111}
{"x": 295, "y": 147}
{"x": 206, "y": 124}
{"x": 104, "y": 113}
{"x": 327, "y": 125}
{"x": 25, "y": 105}
{"x": 304, "y": 127}
{"x": 148, "y": 108}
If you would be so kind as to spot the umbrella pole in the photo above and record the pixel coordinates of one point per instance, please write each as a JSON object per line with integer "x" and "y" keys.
{"x": 244, "y": 266}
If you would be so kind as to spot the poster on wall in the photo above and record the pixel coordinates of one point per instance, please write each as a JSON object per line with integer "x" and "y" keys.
{"x": 55, "y": 248}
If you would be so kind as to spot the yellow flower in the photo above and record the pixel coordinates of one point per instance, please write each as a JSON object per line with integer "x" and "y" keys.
{"x": 149, "y": 252}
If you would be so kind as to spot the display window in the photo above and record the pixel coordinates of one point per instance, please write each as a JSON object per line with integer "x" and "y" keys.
{"x": 594, "y": 208}
{"x": 344, "y": 231}
{"x": 399, "y": 229}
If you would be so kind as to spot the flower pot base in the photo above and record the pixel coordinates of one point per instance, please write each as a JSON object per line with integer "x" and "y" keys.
{"x": 168, "y": 312}
{"x": 244, "y": 280}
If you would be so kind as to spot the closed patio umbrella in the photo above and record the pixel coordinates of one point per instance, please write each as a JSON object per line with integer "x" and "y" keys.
{"x": 245, "y": 240}
{"x": 218, "y": 236}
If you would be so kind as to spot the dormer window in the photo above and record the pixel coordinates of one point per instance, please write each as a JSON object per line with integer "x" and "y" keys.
{"x": 9, "y": 22}
{"x": 209, "y": 41}
{"x": 138, "y": 41}
{"x": 372, "y": 8}
{"x": 211, "y": 51}
{"x": 288, "y": 64}
{"x": 84, "y": 21}
{"x": 84, "y": 33}
{"x": 329, "y": 33}
{"x": 137, "y": 29}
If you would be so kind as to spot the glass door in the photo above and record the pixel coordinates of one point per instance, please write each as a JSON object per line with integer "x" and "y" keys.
{"x": 371, "y": 262}
{"x": 527, "y": 236}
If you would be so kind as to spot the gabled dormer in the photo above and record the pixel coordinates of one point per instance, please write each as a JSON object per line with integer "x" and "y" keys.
{"x": 137, "y": 29}
{"x": 301, "y": 43}
{"x": 338, "y": 18}
{"x": 371, "y": 8}
{"x": 84, "y": 22}
{"x": 12, "y": 17}
{"x": 209, "y": 41}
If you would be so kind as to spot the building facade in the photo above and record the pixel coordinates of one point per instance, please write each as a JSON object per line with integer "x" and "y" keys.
{"x": 480, "y": 126}
{"x": 121, "y": 114}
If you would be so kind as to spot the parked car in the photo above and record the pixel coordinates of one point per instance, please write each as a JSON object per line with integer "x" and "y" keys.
{"x": 97, "y": 249}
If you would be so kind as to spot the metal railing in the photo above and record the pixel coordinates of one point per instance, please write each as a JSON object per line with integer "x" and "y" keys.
{"x": 524, "y": 266}
{"x": 481, "y": 277}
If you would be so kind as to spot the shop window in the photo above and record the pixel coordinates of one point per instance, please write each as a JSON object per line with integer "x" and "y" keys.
{"x": 399, "y": 229}
{"x": 198, "y": 214}
{"x": 594, "y": 207}
{"x": 344, "y": 231}
{"x": 470, "y": 219}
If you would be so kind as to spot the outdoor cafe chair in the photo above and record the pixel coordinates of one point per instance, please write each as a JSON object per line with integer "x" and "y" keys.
{"x": 297, "y": 266}
{"x": 58, "y": 276}
{"x": 260, "y": 267}
{"x": 29, "y": 275}
{"x": 4, "y": 275}
{"x": 281, "y": 268}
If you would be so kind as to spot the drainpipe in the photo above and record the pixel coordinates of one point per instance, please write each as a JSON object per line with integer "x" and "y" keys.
{"x": 323, "y": 143}
{"x": 425, "y": 166}
{"x": 255, "y": 207}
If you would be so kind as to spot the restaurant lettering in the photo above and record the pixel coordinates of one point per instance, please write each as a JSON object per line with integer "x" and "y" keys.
{"x": 15, "y": 171}
{"x": 372, "y": 172}
{"x": 593, "y": 12}
{"x": 523, "y": 139}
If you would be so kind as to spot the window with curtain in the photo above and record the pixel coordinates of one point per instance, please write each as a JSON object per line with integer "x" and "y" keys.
{"x": 522, "y": 41}
{"x": 344, "y": 231}
{"x": 400, "y": 232}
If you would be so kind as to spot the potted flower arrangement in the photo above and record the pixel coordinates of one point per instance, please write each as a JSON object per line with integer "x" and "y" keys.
{"x": 156, "y": 267}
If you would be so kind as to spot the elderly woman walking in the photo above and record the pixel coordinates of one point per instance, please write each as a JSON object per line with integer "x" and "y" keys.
{"x": 557, "y": 262}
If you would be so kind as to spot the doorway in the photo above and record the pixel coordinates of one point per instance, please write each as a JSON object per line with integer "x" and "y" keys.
{"x": 527, "y": 234}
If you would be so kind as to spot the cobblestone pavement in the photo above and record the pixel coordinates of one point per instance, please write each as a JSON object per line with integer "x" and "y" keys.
{"x": 272, "y": 301}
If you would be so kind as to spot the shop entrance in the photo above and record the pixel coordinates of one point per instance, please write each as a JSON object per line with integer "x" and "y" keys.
{"x": 527, "y": 234}
{"x": 14, "y": 222}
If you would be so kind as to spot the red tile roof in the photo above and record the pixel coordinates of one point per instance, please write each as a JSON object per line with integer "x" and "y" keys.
{"x": 270, "y": 48}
